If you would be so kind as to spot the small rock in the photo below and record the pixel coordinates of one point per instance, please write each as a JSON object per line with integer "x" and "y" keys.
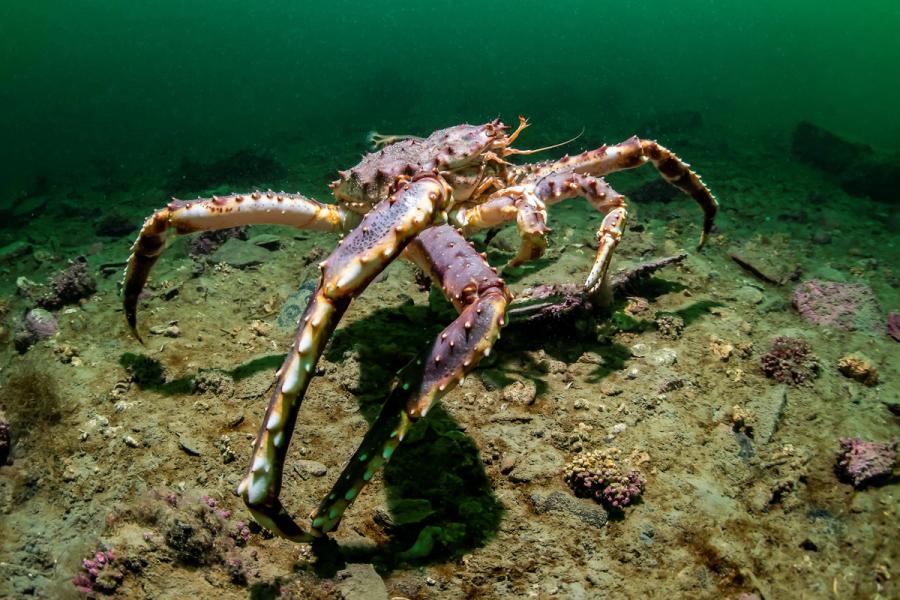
{"x": 188, "y": 446}
{"x": 859, "y": 367}
{"x": 508, "y": 463}
{"x": 721, "y": 349}
{"x": 293, "y": 307}
{"x": 520, "y": 392}
{"x": 749, "y": 295}
{"x": 591, "y": 358}
{"x": 663, "y": 357}
{"x": 240, "y": 254}
{"x": 305, "y": 468}
{"x": 266, "y": 240}
{"x": 587, "y": 512}
{"x": 171, "y": 330}
{"x": 131, "y": 442}
{"x": 639, "y": 350}
{"x": 361, "y": 582}
{"x": 632, "y": 373}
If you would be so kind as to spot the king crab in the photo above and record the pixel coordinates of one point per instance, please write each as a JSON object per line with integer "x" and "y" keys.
{"x": 418, "y": 198}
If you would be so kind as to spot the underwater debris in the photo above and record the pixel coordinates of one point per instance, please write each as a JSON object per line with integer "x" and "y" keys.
{"x": 753, "y": 269}
{"x": 790, "y": 361}
{"x": 845, "y": 306}
{"x": 103, "y": 572}
{"x": 36, "y": 325}
{"x": 601, "y": 476}
{"x": 566, "y": 301}
{"x": 865, "y": 463}
{"x": 857, "y": 366}
{"x": 71, "y": 285}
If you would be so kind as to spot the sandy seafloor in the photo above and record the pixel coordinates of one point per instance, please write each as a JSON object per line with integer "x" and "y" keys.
{"x": 722, "y": 515}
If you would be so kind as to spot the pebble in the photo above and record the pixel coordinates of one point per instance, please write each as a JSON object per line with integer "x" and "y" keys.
{"x": 508, "y": 463}
{"x": 520, "y": 392}
{"x": 171, "y": 330}
{"x": 615, "y": 430}
{"x": 131, "y": 442}
{"x": 749, "y": 295}
{"x": 663, "y": 357}
{"x": 361, "y": 582}
{"x": 304, "y": 468}
{"x": 587, "y": 512}
{"x": 188, "y": 446}
{"x": 239, "y": 254}
{"x": 632, "y": 373}
{"x": 639, "y": 350}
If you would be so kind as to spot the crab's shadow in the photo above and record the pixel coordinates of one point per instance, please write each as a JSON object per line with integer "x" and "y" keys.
{"x": 440, "y": 500}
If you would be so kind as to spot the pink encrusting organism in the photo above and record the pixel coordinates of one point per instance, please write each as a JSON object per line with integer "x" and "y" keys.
{"x": 862, "y": 462}
{"x": 101, "y": 573}
{"x": 846, "y": 306}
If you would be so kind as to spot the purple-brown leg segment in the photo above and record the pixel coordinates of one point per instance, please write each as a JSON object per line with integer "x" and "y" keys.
{"x": 359, "y": 258}
{"x": 220, "y": 212}
{"x": 632, "y": 153}
{"x": 481, "y": 298}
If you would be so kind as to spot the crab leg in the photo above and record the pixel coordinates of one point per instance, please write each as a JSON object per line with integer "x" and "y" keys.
{"x": 220, "y": 212}
{"x": 527, "y": 204}
{"x": 360, "y": 257}
{"x": 481, "y": 298}
{"x": 561, "y": 186}
{"x": 634, "y": 152}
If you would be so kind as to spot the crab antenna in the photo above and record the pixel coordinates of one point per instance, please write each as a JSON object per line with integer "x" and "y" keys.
{"x": 511, "y": 151}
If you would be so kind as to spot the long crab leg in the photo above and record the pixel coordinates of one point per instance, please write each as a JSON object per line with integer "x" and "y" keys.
{"x": 632, "y": 153}
{"x": 360, "y": 257}
{"x": 220, "y": 212}
{"x": 481, "y": 298}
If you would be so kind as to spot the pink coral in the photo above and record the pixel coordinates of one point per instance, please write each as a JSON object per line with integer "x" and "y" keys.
{"x": 790, "y": 361}
{"x": 69, "y": 286}
{"x": 846, "y": 306}
{"x": 862, "y": 462}
{"x": 102, "y": 573}
{"x": 600, "y": 475}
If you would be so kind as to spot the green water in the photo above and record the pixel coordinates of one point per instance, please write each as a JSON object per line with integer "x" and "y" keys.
{"x": 132, "y": 84}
